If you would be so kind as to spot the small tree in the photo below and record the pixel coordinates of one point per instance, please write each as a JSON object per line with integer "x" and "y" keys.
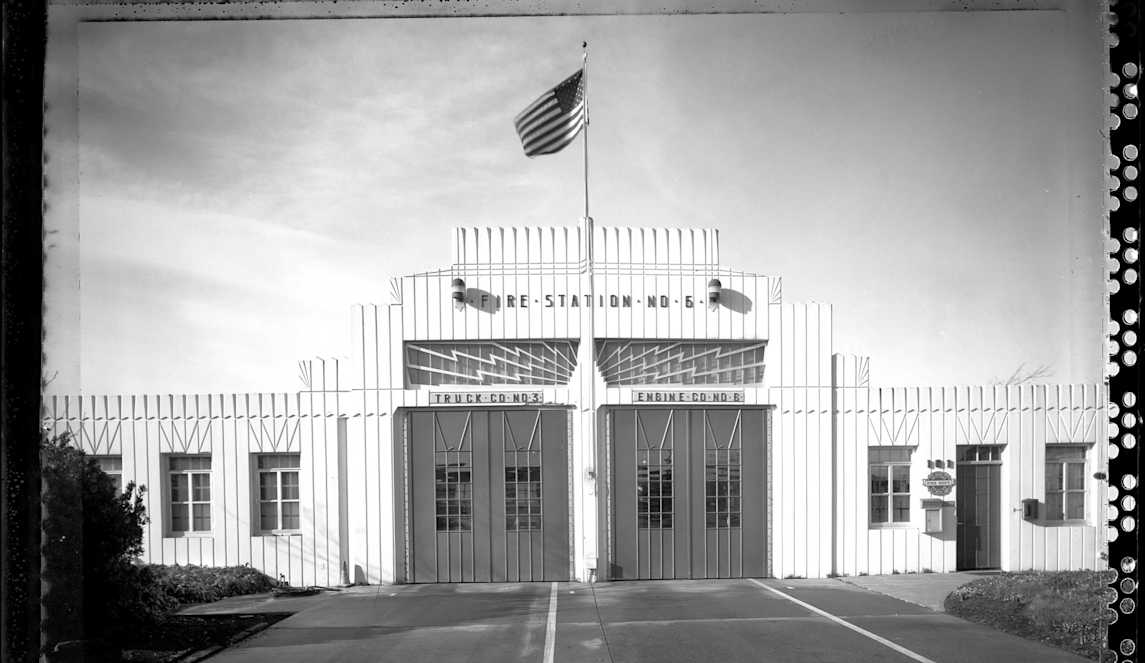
{"x": 1023, "y": 375}
{"x": 92, "y": 535}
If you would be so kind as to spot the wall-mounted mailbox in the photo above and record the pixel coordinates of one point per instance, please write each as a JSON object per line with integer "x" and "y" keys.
{"x": 1030, "y": 509}
{"x": 933, "y": 510}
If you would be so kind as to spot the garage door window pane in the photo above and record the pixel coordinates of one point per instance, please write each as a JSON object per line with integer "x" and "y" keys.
{"x": 722, "y": 474}
{"x": 522, "y": 492}
{"x": 454, "y": 489}
{"x": 654, "y": 489}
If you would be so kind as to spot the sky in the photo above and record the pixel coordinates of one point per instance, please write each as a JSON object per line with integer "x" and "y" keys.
{"x": 242, "y": 184}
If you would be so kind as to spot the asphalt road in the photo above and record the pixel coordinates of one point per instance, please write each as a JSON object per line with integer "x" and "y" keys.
{"x": 662, "y": 622}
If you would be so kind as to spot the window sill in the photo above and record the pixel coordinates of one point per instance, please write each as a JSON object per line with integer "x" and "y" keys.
{"x": 189, "y": 535}
{"x": 891, "y": 526}
{"x": 1064, "y": 523}
{"x": 276, "y": 533}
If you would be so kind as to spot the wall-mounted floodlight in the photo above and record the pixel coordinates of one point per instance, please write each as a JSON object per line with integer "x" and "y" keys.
{"x": 714, "y": 287}
{"x": 458, "y": 293}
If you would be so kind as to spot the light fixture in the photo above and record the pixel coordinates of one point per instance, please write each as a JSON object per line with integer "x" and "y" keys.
{"x": 459, "y": 293}
{"x": 714, "y": 287}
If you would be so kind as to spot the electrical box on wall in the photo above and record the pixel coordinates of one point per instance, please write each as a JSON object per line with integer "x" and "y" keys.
{"x": 933, "y": 511}
{"x": 1030, "y": 509}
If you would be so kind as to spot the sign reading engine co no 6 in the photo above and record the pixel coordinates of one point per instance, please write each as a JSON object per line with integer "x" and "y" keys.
{"x": 939, "y": 483}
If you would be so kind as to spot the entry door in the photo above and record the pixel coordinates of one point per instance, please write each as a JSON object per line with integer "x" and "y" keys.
{"x": 979, "y": 505}
{"x": 488, "y": 495}
{"x": 688, "y": 493}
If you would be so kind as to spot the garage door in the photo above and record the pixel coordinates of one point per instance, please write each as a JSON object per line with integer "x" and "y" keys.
{"x": 688, "y": 493}
{"x": 488, "y": 495}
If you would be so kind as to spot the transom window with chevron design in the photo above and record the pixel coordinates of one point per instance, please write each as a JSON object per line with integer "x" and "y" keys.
{"x": 490, "y": 362}
{"x": 631, "y": 363}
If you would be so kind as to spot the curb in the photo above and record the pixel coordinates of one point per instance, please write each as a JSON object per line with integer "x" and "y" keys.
{"x": 899, "y": 598}
{"x": 207, "y": 652}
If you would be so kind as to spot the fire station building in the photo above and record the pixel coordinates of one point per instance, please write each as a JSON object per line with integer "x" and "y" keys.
{"x": 587, "y": 402}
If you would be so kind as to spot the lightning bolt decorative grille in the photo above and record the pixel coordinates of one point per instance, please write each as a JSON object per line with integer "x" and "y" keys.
{"x": 627, "y": 363}
{"x": 490, "y": 362}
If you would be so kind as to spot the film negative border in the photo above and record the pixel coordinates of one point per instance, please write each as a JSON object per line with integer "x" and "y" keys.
{"x": 1124, "y": 371}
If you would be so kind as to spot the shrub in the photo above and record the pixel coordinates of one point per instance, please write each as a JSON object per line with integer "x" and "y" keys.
{"x": 203, "y": 584}
{"x": 1067, "y": 609}
{"x": 91, "y": 537}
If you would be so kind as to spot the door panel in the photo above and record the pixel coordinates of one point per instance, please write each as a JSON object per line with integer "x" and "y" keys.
{"x": 488, "y": 495}
{"x": 979, "y": 516}
{"x": 688, "y": 492}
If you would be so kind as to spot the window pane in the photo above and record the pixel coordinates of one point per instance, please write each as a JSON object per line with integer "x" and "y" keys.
{"x": 201, "y": 487}
{"x": 268, "y": 515}
{"x": 290, "y": 485}
{"x": 901, "y": 483}
{"x": 879, "y": 483}
{"x": 267, "y": 486}
{"x": 290, "y": 515}
{"x": 1075, "y": 505}
{"x": 1075, "y": 476}
{"x": 179, "y": 520}
{"x": 879, "y": 455}
{"x": 901, "y": 508}
{"x": 202, "y": 517}
{"x": 454, "y": 491}
{"x": 179, "y": 488}
{"x": 878, "y": 509}
{"x": 273, "y": 461}
{"x": 1053, "y": 505}
{"x": 654, "y": 489}
{"x": 110, "y": 464}
{"x": 522, "y": 497}
{"x": 1053, "y": 476}
{"x": 1064, "y": 453}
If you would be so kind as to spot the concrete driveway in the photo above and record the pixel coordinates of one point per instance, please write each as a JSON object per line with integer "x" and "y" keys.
{"x": 662, "y": 621}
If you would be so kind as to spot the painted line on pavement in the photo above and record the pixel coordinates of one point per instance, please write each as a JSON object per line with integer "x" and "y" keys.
{"x": 841, "y": 622}
{"x": 551, "y": 626}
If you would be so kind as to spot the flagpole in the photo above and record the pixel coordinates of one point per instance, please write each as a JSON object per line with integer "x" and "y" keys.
{"x": 584, "y": 75}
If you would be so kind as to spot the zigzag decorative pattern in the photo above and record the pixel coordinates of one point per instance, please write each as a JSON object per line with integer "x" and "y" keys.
{"x": 490, "y": 362}
{"x": 624, "y": 363}
{"x": 1070, "y": 424}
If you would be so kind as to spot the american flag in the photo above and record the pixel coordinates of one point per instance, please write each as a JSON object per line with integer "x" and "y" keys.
{"x": 553, "y": 121}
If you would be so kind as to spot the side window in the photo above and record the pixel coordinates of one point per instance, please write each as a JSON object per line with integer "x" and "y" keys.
{"x": 277, "y": 492}
{"x": 889, "y": 477}
{"x": 189, "y": 494}
{"x": 1065, "y": 483}
{"x": 112, "y": 466}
